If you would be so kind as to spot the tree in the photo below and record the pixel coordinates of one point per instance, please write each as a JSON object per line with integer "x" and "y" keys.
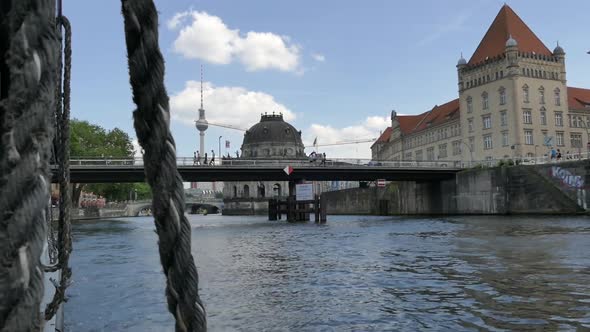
{"x": 92, "y": 141}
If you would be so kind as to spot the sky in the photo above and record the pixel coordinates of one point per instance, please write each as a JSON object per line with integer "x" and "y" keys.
{"x": 334, "y": 68}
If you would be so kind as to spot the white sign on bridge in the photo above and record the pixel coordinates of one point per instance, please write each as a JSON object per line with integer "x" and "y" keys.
{"x": 304, "y": 192}
{"x": 380, "y": 182}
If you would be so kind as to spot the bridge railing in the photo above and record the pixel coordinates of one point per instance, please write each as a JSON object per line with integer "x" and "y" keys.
{"x": 332, "y": 162}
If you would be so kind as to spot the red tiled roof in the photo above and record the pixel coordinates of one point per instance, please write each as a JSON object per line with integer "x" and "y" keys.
{"x": 578, "y": 98}
{"x": 507, "y": 24}
{"x": 439, "y": 114}
{"x": 407, "y": 123}
{"x": 384, "y": 138}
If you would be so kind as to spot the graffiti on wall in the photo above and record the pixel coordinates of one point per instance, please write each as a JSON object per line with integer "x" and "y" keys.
{"x": 567, "y": 178}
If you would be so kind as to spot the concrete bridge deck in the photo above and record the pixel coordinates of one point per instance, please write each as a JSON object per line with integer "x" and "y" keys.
{"x": 131, "y": 170}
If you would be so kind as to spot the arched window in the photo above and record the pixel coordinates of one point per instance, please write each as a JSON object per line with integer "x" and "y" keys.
{"x": 502, "y": 93}
{"x": 525, "y": 93}
{"x": 246, "y": 193}
{"x": 541, "y": 95}
{"x": 276, "y": 190}
{"x": 261, "y": 190}
{"x": 557, "y": 97}
{"x": 469, "y": 104}
{"x": 484, "y": 100}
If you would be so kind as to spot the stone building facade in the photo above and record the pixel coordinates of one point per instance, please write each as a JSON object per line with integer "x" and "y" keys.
{"x": 513, "y": 103}
{"x": 269, "y": 140}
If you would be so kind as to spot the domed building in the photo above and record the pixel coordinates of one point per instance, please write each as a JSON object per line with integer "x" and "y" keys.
{"x": 270, "y": 139}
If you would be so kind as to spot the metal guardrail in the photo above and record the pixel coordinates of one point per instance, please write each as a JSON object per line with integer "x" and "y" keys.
{"x": 334, "y": 162}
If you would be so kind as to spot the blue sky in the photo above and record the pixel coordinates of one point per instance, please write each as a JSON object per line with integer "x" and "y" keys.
{"x": 336, "y": 68}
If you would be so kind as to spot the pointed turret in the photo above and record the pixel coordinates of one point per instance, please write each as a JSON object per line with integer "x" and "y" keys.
{"x": 507, "y": 30}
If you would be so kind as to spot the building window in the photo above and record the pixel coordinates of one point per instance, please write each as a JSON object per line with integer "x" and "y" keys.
{"x": 559, "y": 119}
{"x": 526, "y": 117}
{"x": 503, "y": 118}
{"x": 419, "y": 155}
{"x": 456, "y": 148}
{"x": 471, "y": 144}
{"x": 556, "y": 94}
{"x": 576, "y": 139}
{"x": 543, "y": 115}
{"x": 487, "y": 122}
{"x": 559, "y": 138}
{"x": 470, "y": 125}
{"x": 442, "y": 151}
{"x": 430, "y": 153}
{"x": 541, "y": 95}
{"x": 504, "y": 138}
{"x": 525, "y": 93}
{"x": 484, "y": 100}
{"x": 408, "y": 156}
{"x": 528, "y": 137}
{"x": 502, "y": 92}
{"x": 487, "y": 142}
{"x": 469, "y": 104}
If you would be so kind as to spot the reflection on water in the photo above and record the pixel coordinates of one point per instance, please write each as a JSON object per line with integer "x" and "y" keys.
{"x": 352, "y": 274}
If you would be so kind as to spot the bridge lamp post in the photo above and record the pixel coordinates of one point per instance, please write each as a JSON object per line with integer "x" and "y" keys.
{"x": 468, "y": 148}
{"x": 219, "y": 146}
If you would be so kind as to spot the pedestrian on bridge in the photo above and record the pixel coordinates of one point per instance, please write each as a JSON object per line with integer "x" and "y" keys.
{"x": 323, "y": 155}
{"x": 198, "y": 158}
{"x": 212, "y": 158}
{"x": 206, "y": 158}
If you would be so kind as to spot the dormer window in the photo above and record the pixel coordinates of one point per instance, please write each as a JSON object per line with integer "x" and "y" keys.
{"x": 502, "y": 93}
{"x": 484, "y": 99}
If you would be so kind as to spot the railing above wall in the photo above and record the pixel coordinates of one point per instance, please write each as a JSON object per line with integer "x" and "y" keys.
{"x": 333, "y": 162}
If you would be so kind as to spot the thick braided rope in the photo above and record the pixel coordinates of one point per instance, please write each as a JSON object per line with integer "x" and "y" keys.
{"x": 152, "y": 125}
{"x": 28, "y": 55}
{"x": 63, "y": 123}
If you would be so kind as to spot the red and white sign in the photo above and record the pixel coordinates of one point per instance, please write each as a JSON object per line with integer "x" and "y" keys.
{"x": 380, "y": 182}
{"x": 288, "y": 170}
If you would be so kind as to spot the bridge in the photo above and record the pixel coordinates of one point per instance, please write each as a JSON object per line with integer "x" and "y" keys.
{"x": 191, "y": 206}
{"x": 93, "y": 170}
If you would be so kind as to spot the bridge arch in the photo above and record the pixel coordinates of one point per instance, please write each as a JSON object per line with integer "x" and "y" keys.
{"x": 261, "y": 190}
{"x": 246, "y": 192}
{"x": 276, "y": 190}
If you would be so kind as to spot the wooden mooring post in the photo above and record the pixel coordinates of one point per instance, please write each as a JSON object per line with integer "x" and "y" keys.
{"x": 297, "y": 211}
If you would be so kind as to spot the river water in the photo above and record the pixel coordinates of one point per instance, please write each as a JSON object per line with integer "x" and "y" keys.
{"x": 351, "y": 274}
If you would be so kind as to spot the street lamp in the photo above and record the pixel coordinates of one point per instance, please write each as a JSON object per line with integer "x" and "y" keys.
{"x": 468, "y": 148}
{"x": 219, "y": 147}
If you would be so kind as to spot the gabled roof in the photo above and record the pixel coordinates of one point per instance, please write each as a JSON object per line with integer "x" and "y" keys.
{"x": 578, "y": 98}
{"x": 384, "y": 138}
{"x": 507, "y": 24}
{"x": 407, "y": 123}
{"x": 439, "y": 114}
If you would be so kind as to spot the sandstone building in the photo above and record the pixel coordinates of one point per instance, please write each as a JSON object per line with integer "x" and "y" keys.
{"x": 513, "y": 103}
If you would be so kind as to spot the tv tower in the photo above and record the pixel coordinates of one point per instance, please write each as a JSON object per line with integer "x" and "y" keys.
{"x": 202, "y": 123}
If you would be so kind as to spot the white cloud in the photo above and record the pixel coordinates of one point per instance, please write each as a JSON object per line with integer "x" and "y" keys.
{"x": 207, "y": 37}
{"x": 318, "y": 57}
{"x": 234, "y": 106}
{"x": 369, "y": 129}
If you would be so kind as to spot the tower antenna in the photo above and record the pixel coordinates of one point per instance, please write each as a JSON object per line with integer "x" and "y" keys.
{"x": 201, "y": 86}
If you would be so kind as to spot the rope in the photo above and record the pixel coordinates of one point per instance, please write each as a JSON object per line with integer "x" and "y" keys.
{"x": 27, "y": 52}
{"x": 63, "y": 157}
{"x": 152, "y": 125}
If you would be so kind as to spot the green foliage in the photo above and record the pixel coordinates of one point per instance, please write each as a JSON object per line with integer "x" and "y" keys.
{"x": 219, "y": 195}
{"x": 90, "y": 140}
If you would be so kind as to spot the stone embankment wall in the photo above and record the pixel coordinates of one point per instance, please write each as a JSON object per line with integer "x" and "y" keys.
{"x": 554, "y": 188}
